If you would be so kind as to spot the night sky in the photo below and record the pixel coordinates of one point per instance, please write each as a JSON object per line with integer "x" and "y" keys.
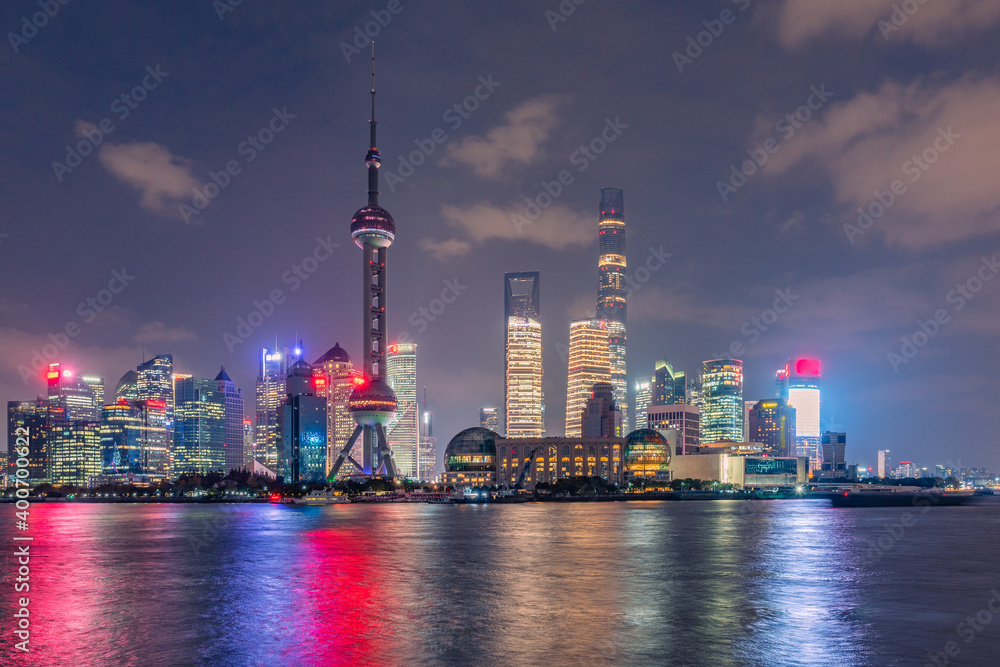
{"x": 904, "y": 122}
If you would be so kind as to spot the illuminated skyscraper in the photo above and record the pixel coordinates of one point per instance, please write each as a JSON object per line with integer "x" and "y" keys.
{"x": 589, "y": 363}
{"x": 722, "y": 401}
{"x": 127, "y": 388}
{"x": 798, "y": 383}
{"x": 427, "y": 450}
{"x": 521, "y": 301}
{"x": 33, "y": 416}
{"x": 373, "y": 403}
{"x": 248, "y": 444}
{"x": 612, "y": 289}
{"x": 772, "y": 424}
{"x": 341, "y": 378}
{"x": 683, "y": 419}
{"x": 489, "y": 418}
{"x": 643, "y": 398}
{"x": 271, "y": 375}
{"x": 884, "y": 463}
{"x": 81, "y": 397}
{"x": 75, "y": 449}
{"x": 199, "y": 426}
{"x": 668, "y": 386}
{"x": 404, "y": 430}
{"x": 524, "y": 378}
{"x": 234, "y": 421}
{"x": 122, "y": 439}
{"x": 302, "y": 423}
{"x": 155, "y": 391}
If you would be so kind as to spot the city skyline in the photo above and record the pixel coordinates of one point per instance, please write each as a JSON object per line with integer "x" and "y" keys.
{"x": 769, "y": 267}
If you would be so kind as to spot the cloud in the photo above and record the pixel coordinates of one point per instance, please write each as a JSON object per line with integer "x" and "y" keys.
{"x": 518, "y": 140}
{"x": 161, "y": 177}
{"x": 158, "y": 332}
{"x": 940, "y": 142}
{"x": 931, "y": 24}
{"x": 558, "y": 227}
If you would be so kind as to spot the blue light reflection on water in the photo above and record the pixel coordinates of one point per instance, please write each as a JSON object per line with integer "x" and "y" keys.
{"x": 689, "y": 583}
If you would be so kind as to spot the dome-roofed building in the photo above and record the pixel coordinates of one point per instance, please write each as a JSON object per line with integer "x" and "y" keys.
{"x": 647, "y": 454}
{"x": 335, "y": 355}
{"x": 470, "y": 459}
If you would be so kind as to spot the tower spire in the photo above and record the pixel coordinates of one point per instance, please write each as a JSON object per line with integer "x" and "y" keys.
{"x": 373, "y": 160}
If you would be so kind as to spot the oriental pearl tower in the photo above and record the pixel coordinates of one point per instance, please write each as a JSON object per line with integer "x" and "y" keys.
{"x": 372, "y": 403}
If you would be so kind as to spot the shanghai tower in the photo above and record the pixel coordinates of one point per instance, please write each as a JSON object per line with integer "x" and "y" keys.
{"x": 372, "y": 403}
{"x": 612, "y": 290}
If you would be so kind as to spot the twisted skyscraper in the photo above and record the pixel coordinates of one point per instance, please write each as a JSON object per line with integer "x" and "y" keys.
{"x": 612, "y": 289}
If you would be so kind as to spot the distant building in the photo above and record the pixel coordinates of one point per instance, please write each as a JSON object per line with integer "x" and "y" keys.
{"x": 798, "y": 383}
{"x": 35, "y": 417}
{"x": 341, "y": 379}
{"x": 684, "y": 418}
{"x": 270, "y": 394}
{"x": 834, "y": 447}
{"x": 127, "y": 388}
{"x": 612, "y": 290}
{"x": 404, "y": 431}
{"x": 722, "y": 400}
{"x": 523, "y": 364}
{"x": 199, "y": 426}
{"x": 427, "y": 451}
{"x": 80, "y": 397}
{"x": 669, "y": 386}
{"x": 75, "y": 448}
{"x": 601, "y": 417}
{"x": 551, "y": 459}
{"x": 155, "y": 396}
{"x": 123, "y": 440}
{"x": 884, "y": 463}
{"x": 302, "y": 423}
{"x": 248, "y": 444}
{"x": 772, "y": 423}
{"x": 470, "y": 459}
{"x": 524, "y": 418}
{"x": 747, "y": 470}
{"x": 589, "y": 363}
{"x": 906, "y": 470}
{"x": 489, "y": 418}
{"x": 643, "y": 398}
{"x": 234, "y": 421}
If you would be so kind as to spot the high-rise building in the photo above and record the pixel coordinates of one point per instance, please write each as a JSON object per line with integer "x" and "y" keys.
{"x": 270, "y": 393}
{"x": 523, "y": 407}
{"x": 404, "y": 430}
{"x": 341, "y": 379}
{"x": 521, "y": 301}
{"x": 122, "y": 439}
{"x": 683, "y": 418}
{"x": 75, "y": 450}
{"x": 600, "y": 417}
{"x": 199, "y": 426}
{"x": 722, "y": 400}
{"x": 589, "y": 364}
{"x": 234, "y": 421}
{"x": 373, "y": 403}
{"x": 248, "y": 444}
{"x": 834, "y": 447}
{"x": 612, "y": 288}
{"x": 427, "y": 450}
{"x": 303, "y": 424}
{"x": 746, "y": 418}
{"x": 668, "y": 385}
{"x": 643, "y": 398}
{"x": 489, "y": 418}
{"x": 771, "y": 422}
{"x": 884, "y": 463}
{"x": 33, "y": 417}
{"x": 906, "y": 470}
{"x": 127, "y": 388}
{"x": 694, "y": 393}
{"x": 155, "y": 394}
{"x": 798, "y": 383}
{"x": 80, "y": 397}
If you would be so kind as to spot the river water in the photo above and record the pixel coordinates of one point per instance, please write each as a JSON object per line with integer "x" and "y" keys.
{"x": 621, "y": 583}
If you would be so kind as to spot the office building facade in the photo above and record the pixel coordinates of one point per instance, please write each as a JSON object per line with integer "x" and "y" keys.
{"x": 722, "y": 400}
{"x": 404, "y": 430}
{"x": 682, "y": 418}
{"x": 523, "y": 329}
{"x": 589, "y": 364}
{"x": 199, "y": 427}
{"x": 772, "y": 424}
{"x": 612, "y": 288}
